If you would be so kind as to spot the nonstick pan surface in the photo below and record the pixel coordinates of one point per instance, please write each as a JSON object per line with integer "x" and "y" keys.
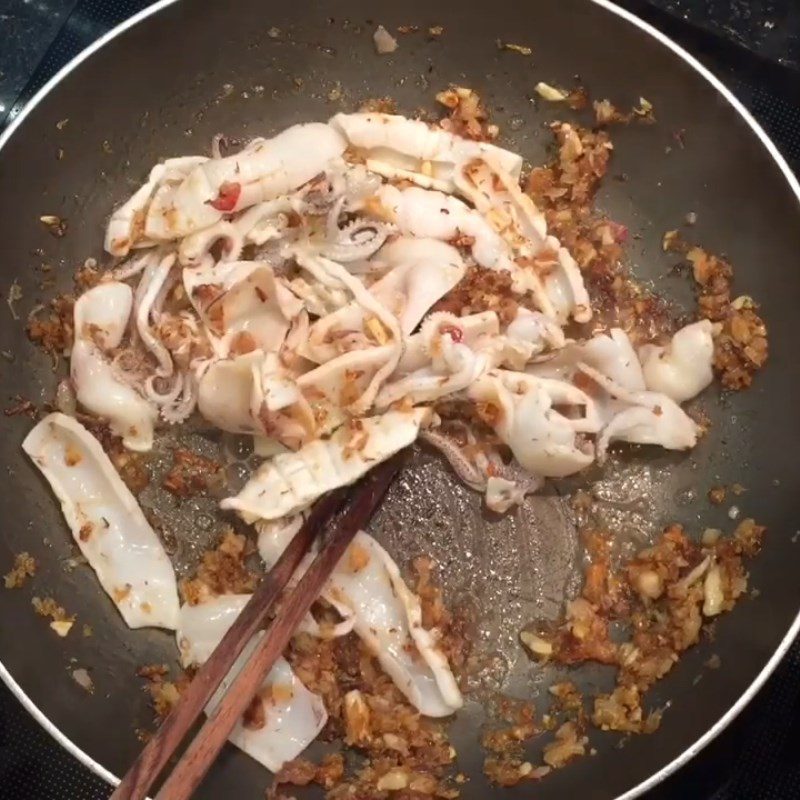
{"x": 165, "y": 85}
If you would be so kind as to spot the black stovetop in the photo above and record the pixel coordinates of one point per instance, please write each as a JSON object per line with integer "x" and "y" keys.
{"x": 754, "y": 47}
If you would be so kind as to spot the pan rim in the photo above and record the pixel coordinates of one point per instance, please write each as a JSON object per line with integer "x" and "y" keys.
{"x": 780, "y": 651}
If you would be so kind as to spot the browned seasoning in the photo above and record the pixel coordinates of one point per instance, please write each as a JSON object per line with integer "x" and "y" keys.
{"x": 163, "y": 691}
{"x": 564, "y": 190}
{"x": 468, "y": 116}
{"x": 741, "y": 345}
{"x": 21, "y": 406}
{"x": 716, "y": 495}
{"x": 663, "y": 596}
{"x": 222, "y": 571}
{"x": 482, "y": 290}
{"x": 24, "y": 568}
{"x": 192, "y": 474}
{"x": 404, "y": 751}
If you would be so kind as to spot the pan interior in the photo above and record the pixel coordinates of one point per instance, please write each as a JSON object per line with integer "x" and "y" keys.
{"x": 256, "y": 72}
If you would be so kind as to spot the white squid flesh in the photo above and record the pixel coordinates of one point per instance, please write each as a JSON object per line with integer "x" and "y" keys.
{"x": 101, "y": 317}
{"x": 290, "y": 482}
{"x": 106, "y": 522}
{"x": 683, "y": 368}
{"x": 398, "y": 147}
{"x": 264, "y": 170}
{"x": 292, "y": 715}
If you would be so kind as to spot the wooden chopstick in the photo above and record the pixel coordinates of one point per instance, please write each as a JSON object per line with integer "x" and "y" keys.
{"x": 202, "y": 751}
{"x": 147, "y": 767}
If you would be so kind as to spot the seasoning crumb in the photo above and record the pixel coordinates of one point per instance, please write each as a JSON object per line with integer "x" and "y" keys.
{"x": 24, "y": 568}
{"x": 106, "y": 147}
{"x": 192, "y": 474}
{"x": 164, "y": 693}
{"x": 335, "y": 93}
{"x": 14, "y": 296}
{"x": 222, "y": 571}
{"x": 435, "y": 31}
{"x": 22, "y": 405}
{"x": 87, "y": 631}
{"x": 384, "y": 41}
{"x": 274, "y": 32}
{"x": 62, "y": 123}
{"x": 717, "y": 495}
{"x": 55, "y": 225}
{"x": 644, "y": 109}
{"x": 48, "y": 607}
{"x": 714, "y": 662}
{"x": 522, "y": 49}
{"x": 83, "y": 679}
{"x": 62, "y": 626}
{"x": 551, "y": 93}
{"x": 606, "y": 113}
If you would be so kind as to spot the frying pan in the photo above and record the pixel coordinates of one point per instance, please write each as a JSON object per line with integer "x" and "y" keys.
{"x": 172, "y": 77}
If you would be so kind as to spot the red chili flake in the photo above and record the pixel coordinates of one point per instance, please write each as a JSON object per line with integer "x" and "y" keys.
{"x": 228, "y": 196}
{"x": 456, "y": 334}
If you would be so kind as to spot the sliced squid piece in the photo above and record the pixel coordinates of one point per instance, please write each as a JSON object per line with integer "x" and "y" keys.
{"x": 225, "y": 393}
{"x": 331, "y": 387}
{"x": 452, "y": 367}
{"x": 614, "y": 356}
{"x": 529, "y": 334}
{"x": 515, "y": 217}
{"x": 122, "y": 230}
{"x": 430, "y": 214}
{"x": 419, "y": 212}
{"x": 543, "y": 440}
{"x": 290, "y": 482}
{"x": 273, "y": 538}
{"x": 154, "y": 280}
{"x": 476, "y": 331}
{"x": 280, "y": 406}
{"x": 388, "y": 618}
{"x": 257, "y": 225}
{"x": 126, "y": 226}
{"x": 101, "y": 316}
{"x": 610, "y": 353}
{"x": 497, "y": 195}
{"x": 292, "y": 715}
{"x": 242, "y": 304}
{"x": 193, "y": 249}
{"x": 502, "y": 493}
{"x": 264, "y": 222}
{"x": 253, "y": 394}
{"x": 384, "y": 325}
{"x": 398, "y": 147}
{"x": 418, "y": 273}
{"x": 683, "y": 368}
{"x": 264, "y": 170}
{"x": 642, "y": 418}
{"x": 463, "y": 465}
{"x": 563, "y": 283}
{"x": 106, "y": 521}
{"x": 367, "y": 590}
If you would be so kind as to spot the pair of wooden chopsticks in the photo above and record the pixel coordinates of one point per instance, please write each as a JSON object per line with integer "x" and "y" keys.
{"x": 203, "y": 749}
